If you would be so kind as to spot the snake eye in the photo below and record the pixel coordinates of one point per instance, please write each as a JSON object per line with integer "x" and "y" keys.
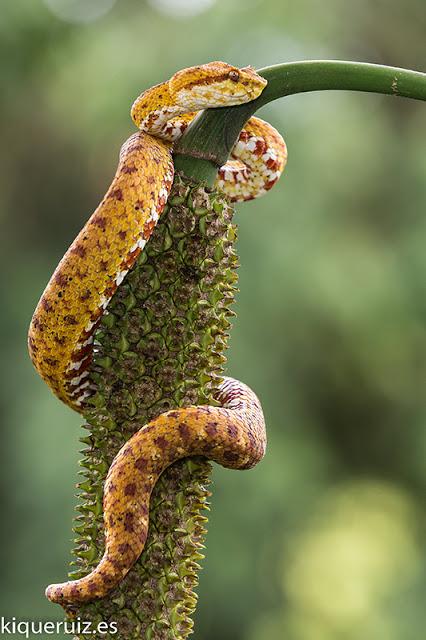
{"x": 234, "y": 76}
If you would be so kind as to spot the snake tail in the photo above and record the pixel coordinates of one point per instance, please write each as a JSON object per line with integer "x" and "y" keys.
{"x": 232, "y": 435}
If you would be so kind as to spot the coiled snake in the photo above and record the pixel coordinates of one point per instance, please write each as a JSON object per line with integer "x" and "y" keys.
{"x": 62, "y": 328}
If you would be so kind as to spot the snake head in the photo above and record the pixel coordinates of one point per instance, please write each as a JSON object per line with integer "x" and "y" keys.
{"x": 215, "y": 84}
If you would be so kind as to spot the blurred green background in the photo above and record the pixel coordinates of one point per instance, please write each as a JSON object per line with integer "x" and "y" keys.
{"x": 324, "y": 540}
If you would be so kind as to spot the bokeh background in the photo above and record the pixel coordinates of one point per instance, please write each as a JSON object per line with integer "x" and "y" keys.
{"x": 325, "y": 539}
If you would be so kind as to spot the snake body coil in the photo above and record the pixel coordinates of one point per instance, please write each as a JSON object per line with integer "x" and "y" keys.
{"x": 232, "y": 435}
{"x": 62, "y": 328}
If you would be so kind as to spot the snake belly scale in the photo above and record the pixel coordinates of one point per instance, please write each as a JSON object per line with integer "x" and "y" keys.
{"x": 62, "y": 329}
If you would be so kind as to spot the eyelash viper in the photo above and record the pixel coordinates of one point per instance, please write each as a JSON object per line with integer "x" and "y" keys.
{"x": 62, "y": 329}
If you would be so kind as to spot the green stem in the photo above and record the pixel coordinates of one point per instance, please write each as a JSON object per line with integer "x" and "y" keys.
{"x": 208, "y": 141}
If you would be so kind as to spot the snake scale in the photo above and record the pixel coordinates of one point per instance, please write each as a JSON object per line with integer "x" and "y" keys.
{"x": 62, "y": 329}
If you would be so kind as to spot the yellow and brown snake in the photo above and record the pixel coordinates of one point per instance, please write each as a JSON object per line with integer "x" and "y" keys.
{"x": 63, "y": 325}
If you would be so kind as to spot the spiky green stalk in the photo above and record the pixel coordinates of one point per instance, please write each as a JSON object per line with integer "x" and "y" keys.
{"x": 161, "y": 345}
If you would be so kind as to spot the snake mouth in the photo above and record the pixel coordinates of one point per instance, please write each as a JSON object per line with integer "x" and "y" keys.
{"x": 246, "y": 92}
{"x": 208, "y": 96}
